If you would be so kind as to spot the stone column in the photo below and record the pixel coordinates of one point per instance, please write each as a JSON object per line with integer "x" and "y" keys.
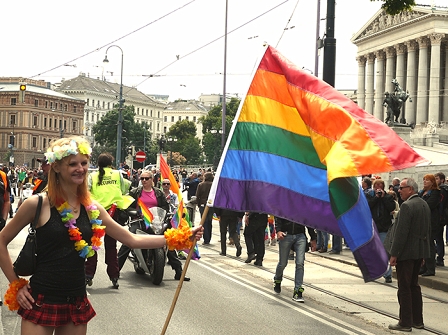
{"x": 411, "y": 82}
{"x": 422, "y": 85}
{"x": 390, "y": 67}
{"x": 379, "y": 89}
{"x": 445, "y": 88}
{"x": 434, "y": 75}
{"x": 400, "y": 75}
{"x": 369, "y": 83}
{"x": 361, "y": 93}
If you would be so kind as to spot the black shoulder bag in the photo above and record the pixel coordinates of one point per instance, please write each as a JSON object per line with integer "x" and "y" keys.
{"x": 25, "y": 264}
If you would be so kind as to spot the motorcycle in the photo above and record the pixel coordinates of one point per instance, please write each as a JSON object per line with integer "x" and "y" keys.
{"x": 151, "y": 261}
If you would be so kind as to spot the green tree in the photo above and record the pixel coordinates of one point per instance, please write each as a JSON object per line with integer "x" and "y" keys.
{"x": 105, "y": 131}
{"x": 184, "y": 141}
{"x": 212, "y": 129}
{"x": 393, "y": 7}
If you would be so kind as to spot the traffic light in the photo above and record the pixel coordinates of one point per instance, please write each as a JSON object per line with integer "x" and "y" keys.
{"x": 23, "y": 87}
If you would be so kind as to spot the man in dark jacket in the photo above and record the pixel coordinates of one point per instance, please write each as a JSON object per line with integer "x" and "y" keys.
{"x": 409, "y": 246}
{"x": 381, "y": 205}
{"x": 292, "y": 235}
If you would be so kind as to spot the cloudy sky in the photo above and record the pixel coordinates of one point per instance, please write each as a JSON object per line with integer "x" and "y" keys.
{"x": 39, "y": 37}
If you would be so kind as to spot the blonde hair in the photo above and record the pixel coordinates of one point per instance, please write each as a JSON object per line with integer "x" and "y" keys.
{"x": 54, "y": 188}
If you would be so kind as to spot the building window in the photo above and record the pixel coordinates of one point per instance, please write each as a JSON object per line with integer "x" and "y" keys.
{"x": 194, "y": 118}
{"x": 172, "y": 119}
{"x": 150, "y": 112}
{"x": 147, "y": 113}
{"x": 150, "y": 125}
{"x": 87, "y": 102}
{"x": 187, "y": 118}
{"x": 93, "y": 103}
{"x": 11, "y": 139}
{"x": 165, "y": 119}
{"x": 158, "y": 115}
{"x": 35, "y": 120}
{"x": 164, "y": 130}
{"x": 50, "y": 122}
{"x": 138, "y": 111}
{"x": 74, "y": 109}
{"x": 65, "y": 107}
{"x": 108, "y": 105}
{"x": 45, "y": 143}
{"x": 13, "y": 101}
{"x": 56, "y": 106}
{"x": 36, "y": 103}
{"x": 45, "y": 122}
{"x": 104, "y": 104}
{"x": 34, "y": 142}
{"x": 74, "y": 126}
{"x": 180, "y": 118}
{"x": 158, "y": 126}
{"x": 46, "y": 104}
{"x": 51, "y": 104}
{"x": 12, "y": 119}
{"x": 97, "y": 117}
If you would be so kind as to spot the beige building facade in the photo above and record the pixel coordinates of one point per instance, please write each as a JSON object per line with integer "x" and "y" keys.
{"x": 411, "y": 47}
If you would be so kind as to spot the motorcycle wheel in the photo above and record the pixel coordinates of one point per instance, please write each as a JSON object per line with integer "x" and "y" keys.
{"x": 158, "y": 266}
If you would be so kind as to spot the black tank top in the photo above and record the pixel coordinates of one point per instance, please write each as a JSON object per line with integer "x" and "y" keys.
{"x": 60, "y": 269}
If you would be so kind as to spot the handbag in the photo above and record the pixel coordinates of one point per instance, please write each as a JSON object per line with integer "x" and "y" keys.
{"x": 25, "y": 264}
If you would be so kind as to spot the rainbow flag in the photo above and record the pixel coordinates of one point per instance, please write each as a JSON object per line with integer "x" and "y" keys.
{"x": 146, "y": 213}
{"x": 181, "y": 215}
{"x": 294, "y": 125}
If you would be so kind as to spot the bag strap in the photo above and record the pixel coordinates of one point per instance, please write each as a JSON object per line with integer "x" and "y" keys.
{"x": 36, "y": 217}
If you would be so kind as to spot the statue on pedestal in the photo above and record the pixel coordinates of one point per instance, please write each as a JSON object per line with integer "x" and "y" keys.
{"x": 394, "y": 102}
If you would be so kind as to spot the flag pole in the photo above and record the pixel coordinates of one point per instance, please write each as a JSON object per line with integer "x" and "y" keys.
{"x": 184, "y": 271}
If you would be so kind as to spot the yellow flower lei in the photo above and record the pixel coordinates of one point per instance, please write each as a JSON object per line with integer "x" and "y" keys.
{"x": 11, "y": 293}
{"x": 179, "y": 239}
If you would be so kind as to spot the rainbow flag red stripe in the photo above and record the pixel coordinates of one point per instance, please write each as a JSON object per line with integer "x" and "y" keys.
{"x": 294, "y": 125}
{"x": 146, "y": 213}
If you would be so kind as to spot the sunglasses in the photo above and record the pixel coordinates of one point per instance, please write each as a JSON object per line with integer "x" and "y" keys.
{"x": 145, "y": 178}
{"x": 165, "y": 183}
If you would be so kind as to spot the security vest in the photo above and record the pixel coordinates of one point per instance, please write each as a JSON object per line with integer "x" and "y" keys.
{"x": 109, "y": 191}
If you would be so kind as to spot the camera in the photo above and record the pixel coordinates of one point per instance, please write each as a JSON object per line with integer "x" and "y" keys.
{"x": 379, "y": 192}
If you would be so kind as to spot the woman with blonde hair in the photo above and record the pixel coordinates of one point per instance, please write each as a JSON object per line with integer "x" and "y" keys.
{"x": 69, "y": 230}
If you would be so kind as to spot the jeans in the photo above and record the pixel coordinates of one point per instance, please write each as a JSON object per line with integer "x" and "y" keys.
{"x": 389, "y": 268}
{"x": 337, "y": 243}
{"x": 322, "y": 240}
{"x": 298, "y": 242}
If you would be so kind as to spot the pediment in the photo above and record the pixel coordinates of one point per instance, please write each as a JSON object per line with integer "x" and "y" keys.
{"x": 383, "y": 22}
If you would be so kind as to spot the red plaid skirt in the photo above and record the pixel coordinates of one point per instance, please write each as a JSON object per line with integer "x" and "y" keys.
{"x": 46, "y": 313}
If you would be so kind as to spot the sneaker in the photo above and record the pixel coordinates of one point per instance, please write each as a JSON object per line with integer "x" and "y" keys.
{"x": 115, "y": 283}
{"x": 297, "y": 296}
{"x": 277, "y": 286}
{"x": 89, "y": 281}
{"x": 389, "y": 280}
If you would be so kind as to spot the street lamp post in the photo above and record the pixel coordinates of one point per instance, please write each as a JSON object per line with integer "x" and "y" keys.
{"x": 170, "y": 140}
{"x": 120, "y": 106}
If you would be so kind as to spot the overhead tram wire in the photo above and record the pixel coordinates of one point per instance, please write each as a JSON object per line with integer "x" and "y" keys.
{"x": 118, "y": 39}
{"x": 213, "y": 41}
{"x": 289, "y": 20}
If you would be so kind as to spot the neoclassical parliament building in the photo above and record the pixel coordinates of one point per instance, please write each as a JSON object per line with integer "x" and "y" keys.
{"x": 413, "y": 48}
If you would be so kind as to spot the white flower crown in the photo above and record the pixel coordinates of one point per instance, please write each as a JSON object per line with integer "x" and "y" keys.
{"x": 65, "y": 150}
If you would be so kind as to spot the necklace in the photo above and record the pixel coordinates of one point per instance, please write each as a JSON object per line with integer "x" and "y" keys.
{"x": 85, "y": 250}
{"x": 75, "y": 209}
